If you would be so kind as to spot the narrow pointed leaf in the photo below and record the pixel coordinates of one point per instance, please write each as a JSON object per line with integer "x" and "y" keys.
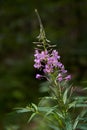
{"x": 31, "y": 117}
{"x": 65, "y": 95}
{"x": 35, "y": 107}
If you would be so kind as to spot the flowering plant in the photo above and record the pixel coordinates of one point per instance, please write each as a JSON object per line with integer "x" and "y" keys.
{"x": 62, "y": 109}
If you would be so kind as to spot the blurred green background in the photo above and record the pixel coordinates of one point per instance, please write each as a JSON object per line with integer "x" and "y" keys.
{"x": 65, "y": 23}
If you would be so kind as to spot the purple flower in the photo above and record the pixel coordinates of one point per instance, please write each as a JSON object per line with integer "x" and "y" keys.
{"x": 68, "y": 77}
{"x": 38, "y": 76}
{"x": 63, "y": 69}
{"x": 37, "y": 63}
{"x": 43, "y": 55}
{"x": 49, "y": 63}
{"x": 48, "y": 68}
{"x": 60, "y": 78}
{"x": 37, "y": 66}
{"x": 59, "y": 64}
{"x": 55, "y": 54}
{"x": 53, "y": 59}
{"x": 39, "y": 58}
{"x": 37, "y": 54}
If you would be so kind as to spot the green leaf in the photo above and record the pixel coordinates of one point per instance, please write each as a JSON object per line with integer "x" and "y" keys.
{"x": 32, "y": 116}
{"x": 34, "y": 106}
{"x": 47, "y": 109}
{"x": 49, "y": 112}
{"x": 79, "y": 117}
{"x": 84, "y": 119}
{"x": 81, "y": 105}
{"x": 44, "y": 109}
{"x": 60, "y": 115}
{"x": 80, "y": 98}
{"x": 72, "y": 104}
{"x": 76, "y": 122}
{"x": 23, "y": 110}
{"x": 68, "y": 123}
{"x": 83, "y": 113}
{"x": 65, "y": 95}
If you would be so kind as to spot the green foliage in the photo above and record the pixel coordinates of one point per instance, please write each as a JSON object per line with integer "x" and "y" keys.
{"x": 56, "y": 116}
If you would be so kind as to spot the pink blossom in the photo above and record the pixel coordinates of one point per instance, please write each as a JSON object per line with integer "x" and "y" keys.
{"x": 68, "y": 77}
{"x": 48, "y": 63}
{"x": 38, "y": 76}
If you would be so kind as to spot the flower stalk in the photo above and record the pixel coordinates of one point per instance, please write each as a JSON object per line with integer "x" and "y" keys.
{"x": 53, "y": 69}
{"x": 61, "y": 108}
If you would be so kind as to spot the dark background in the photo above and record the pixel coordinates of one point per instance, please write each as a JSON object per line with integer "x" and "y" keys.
{"x": 65, "y": 23}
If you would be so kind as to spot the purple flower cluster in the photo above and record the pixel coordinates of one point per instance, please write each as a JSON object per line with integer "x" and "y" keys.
{"x": 49, "y": 63}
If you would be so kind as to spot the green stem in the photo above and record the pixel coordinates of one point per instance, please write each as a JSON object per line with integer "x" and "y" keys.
{"x": 42, "y": 36}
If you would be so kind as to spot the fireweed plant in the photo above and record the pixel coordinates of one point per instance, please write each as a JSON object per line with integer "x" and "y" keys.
{"x": 62, "y": 109}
